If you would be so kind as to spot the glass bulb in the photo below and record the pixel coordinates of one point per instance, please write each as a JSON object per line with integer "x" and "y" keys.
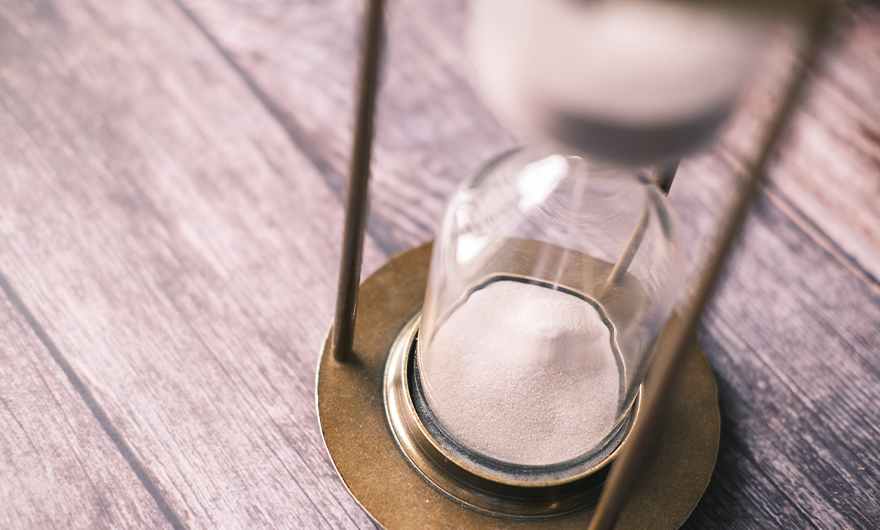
{"x": 551, "y": 278}
{"x": 638, "y": 81}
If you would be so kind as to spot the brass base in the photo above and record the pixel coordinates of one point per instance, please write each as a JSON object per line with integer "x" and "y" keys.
{"x": 351, "y": 396}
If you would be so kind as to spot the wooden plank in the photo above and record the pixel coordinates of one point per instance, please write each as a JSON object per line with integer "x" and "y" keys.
{"x": 179, "y": 251}
{"x": 428, "y": 107}
{"x": 794, "y": 329}
{"x": 829, "y": 170}
{"x": 432, "y": 129}
{"x": 59, "y": 467}
{"x": 176, "y": 247}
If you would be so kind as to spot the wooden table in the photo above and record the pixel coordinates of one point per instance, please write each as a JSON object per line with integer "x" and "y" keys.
{"x": 170, "y": 223}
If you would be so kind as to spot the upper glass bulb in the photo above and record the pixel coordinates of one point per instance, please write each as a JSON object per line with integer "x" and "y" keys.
{"x": 638, "y": 81}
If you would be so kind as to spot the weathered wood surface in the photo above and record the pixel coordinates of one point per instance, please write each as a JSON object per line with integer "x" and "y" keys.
{"x": 827, "y": 173}
{"x": 178, "y": 250}
{"x": 431, "y": 127}
{"x": 59, "y": 467}
{"x": 171, "y": 218}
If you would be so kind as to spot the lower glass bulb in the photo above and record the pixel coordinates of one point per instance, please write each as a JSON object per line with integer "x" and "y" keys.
{"x": 550, "y": 280}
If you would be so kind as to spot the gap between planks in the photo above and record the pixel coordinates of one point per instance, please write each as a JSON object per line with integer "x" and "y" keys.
{"x": 94, "y": 407}
{"x": 803, "y": 222}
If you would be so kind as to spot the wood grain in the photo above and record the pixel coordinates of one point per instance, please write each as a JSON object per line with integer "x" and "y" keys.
{"x": 827, "y": 175}
{"x": 171, "y": 220}
{"x": 178, "y": 250}
{"x": 830, "y": 170}
{"x": 746, "y": 474}
{"x": 58, "y": 466}
{"x": 428, "y": 105}
{"x": 431, "y": 128}
{"x": 792, "y": 337}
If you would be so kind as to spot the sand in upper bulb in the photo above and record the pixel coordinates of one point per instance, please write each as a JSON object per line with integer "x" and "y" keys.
{"x": 524, "y": 374}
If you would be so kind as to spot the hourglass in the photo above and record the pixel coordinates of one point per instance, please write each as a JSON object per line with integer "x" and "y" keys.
{"x": 494, "y": 377}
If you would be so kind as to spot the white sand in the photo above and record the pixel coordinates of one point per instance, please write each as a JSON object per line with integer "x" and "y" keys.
{"x": 523, "y": 374}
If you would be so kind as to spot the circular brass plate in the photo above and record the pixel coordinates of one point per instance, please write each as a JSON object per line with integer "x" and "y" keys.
{"x": 396, "y": 496}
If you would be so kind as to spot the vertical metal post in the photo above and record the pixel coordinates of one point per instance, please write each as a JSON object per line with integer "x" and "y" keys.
{"x": 675, "y": 341}
{"x": 662, "y": 177}
{"x": 664, "y": 174}
{"x": 356, "y": 209}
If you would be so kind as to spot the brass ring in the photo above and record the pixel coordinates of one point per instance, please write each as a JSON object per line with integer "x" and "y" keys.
{"x": 463, "y": 481}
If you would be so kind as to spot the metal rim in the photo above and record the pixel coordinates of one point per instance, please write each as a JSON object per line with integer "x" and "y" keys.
{"x": 463, "y": 482}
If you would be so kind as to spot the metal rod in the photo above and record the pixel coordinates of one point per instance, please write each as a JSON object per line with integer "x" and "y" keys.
{"x": 662, "y": 177}
{"x": 664, "y": 174}
{"x": 356, "y": 209}
{"x": 628, "y": 254}
{"x": 676, "y": 340}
